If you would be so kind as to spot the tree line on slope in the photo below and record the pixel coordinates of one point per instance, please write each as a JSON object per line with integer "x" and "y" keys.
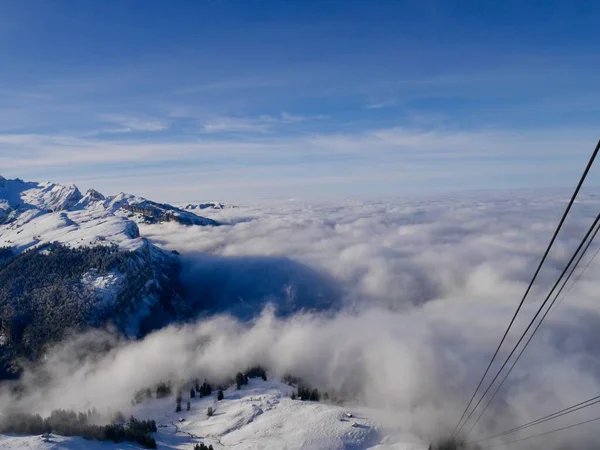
{"x": 202, "y": 446}
{"x": 71, "y": 423}
{"x": 165, "y": 389}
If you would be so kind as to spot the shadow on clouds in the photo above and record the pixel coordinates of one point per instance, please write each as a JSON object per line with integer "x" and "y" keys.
{"x": 244, "y": 285}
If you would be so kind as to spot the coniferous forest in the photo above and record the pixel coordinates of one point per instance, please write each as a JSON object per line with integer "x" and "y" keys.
{"x": 71, "y": 423}
{"x": 43, "y": 297}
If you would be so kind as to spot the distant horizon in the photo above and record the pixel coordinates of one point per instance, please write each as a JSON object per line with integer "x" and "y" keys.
{"x": 566, "y": 190}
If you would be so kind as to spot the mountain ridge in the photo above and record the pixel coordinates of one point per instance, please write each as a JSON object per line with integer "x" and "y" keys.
{"x": 18, "y": 195}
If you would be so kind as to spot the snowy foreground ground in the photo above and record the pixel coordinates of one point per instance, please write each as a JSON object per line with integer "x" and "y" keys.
{"x": 259, "y": 416}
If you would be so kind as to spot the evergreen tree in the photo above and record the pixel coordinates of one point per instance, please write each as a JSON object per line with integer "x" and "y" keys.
{"x": 220, "y": 395}
{"x": 305, "y": 393}
{"x": 314, "y": 395}
{"x": 205, "y": 389}
{"x": 163, "y": 390}
{"x": 256, "y": 372}
{"x": 240, "y": 379}
{"x": 203, "y": 447}
{"x": 192, "y": 393}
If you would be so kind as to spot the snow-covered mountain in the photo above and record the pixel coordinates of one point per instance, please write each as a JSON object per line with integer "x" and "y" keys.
{"x": 82, "y": 255}
{"x": 33, "y": 213}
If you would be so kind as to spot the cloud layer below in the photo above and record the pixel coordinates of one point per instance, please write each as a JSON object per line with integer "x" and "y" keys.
{"x": 424, "y": 290}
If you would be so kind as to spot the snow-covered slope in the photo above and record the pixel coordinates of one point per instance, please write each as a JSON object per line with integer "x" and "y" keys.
{"x": 259, "y": 416}
{"x": 35, "y": 213}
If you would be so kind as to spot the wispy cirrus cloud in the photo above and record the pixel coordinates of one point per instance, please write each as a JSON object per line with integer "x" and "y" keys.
{"x": 291, "y": 118}
{"x": 362, "y": 162}
{"x": 236, "y": 124}
{"x": 388, "y": 103}
{"x": 130, "y": 124}
{"x": 260, "y": 124}
{"x": 413, "y": 142}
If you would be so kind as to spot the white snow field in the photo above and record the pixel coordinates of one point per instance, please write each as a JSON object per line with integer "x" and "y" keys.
{"x": 261, "y": 415}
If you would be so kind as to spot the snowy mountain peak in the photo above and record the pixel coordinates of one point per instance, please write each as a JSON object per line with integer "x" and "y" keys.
{"x": 91, "y": 199}
{"x": 18, "y": 194}
{"x": 118, "y": 201}
{"x": 54, "y": 197}
{"x": 34, "y": 213}
{"x": 94, "y": 194}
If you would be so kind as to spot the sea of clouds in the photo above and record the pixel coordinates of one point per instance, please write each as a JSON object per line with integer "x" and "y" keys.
{"x": 394, "y": 305}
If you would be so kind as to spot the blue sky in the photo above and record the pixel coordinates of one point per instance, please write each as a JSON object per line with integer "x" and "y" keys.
{"x": 237, "y": 100}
